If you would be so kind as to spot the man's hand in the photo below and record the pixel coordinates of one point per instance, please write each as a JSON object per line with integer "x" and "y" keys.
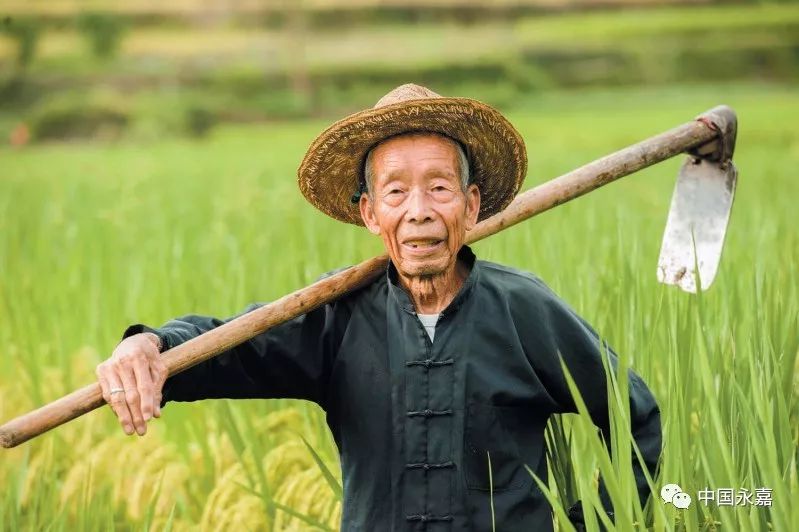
{"x": 132, "y": 380}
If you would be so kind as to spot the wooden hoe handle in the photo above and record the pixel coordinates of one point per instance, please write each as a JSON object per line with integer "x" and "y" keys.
{"x": 534, "y": 201}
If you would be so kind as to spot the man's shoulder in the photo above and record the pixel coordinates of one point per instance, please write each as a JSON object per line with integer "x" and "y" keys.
{"x": 514, "y": 279}
{"x": 526, "y": 292}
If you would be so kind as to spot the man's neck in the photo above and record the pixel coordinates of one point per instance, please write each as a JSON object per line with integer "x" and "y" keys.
{"x": 432, "y": 293}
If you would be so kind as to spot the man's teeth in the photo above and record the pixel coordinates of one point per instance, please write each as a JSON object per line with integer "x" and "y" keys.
{"x": 423, "y": 243}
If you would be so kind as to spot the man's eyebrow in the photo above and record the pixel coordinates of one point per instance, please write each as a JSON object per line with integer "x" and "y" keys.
{"x": 392, "y": 175}
{"x": 436, "y": 172}
{"x": 397, "y": 174}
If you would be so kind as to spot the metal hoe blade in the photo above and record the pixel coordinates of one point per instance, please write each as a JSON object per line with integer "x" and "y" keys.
{"x": 700, "y": 209}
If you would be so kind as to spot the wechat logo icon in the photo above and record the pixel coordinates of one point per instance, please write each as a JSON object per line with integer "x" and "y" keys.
{"x": 673, "y": 494}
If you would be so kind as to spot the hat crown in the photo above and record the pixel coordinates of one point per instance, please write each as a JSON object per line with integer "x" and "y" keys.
{"x": 409, "y": 91}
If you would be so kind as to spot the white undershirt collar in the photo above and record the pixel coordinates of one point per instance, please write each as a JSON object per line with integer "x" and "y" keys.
{"x": 429, "y": 322}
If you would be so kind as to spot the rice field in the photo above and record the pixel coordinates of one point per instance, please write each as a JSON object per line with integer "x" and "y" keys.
{"x": 94, "y": 237}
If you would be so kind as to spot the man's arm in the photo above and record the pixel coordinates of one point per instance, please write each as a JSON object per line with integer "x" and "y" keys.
{"x": 287, "y": 361}
{"x": 570, "y": 339}
{"x": 291, "y": 360}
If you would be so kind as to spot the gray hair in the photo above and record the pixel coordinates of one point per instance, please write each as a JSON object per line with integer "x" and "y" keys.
{"x": 463, "y": 162}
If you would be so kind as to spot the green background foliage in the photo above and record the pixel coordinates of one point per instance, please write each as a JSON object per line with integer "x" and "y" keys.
{"x": 160, "y": 180}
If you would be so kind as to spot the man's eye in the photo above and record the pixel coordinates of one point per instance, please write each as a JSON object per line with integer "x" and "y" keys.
{"x": 395, "y": 191}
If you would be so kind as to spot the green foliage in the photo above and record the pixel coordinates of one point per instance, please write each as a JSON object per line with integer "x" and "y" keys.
{"x": 74, "y": 119}
{"x": 103, "y": 32}
{"x": 244, "y": 74}
{"x": 104, "y": 115}
{"x": 199, "y": 120}
{"x": 93, "y": 238}
{"x": 25, "y": 31}
{"x": 330, "y": 478}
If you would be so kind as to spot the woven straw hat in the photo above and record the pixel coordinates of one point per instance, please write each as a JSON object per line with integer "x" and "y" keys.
{"x": 332, "y": 169}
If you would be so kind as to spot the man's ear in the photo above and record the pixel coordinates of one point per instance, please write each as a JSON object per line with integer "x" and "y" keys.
{"x": 368, "y": 214}
{"x": 472, "y": 206}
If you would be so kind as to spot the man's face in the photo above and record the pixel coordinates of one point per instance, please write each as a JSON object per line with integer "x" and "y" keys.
{"x": 417, "y": 205}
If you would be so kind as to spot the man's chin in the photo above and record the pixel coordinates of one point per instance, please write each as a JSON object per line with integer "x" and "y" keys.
{"x": 423, "y": 268}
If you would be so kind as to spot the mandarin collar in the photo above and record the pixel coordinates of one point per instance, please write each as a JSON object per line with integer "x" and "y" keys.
{"x": 404, "y": 300}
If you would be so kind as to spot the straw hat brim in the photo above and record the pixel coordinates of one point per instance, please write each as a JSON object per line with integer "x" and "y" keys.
{"x": 330, "y": 171}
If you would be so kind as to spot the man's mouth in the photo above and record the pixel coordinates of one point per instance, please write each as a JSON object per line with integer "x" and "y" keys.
{"x": 423, "y": 243}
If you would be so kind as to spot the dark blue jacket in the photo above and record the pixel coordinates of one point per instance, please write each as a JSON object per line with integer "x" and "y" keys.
{"x": 415, "y": 421}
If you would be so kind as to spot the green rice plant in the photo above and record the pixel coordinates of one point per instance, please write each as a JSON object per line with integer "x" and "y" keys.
{"x": 94, "y": 237}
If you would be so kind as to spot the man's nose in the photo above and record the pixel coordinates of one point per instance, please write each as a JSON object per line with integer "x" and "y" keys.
{"x": 419, "y": 209}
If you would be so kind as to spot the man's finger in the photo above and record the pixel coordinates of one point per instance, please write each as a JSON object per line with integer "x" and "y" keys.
{"x": 100, "y": 372}
{"x": 118, "y": 403}
{"x": 132, "y": 398}
{"x": 144, "y": 383}
{"x": 158, "y": 376}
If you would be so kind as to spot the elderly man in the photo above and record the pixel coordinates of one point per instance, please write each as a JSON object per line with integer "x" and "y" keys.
{"x": 436, "y": 367}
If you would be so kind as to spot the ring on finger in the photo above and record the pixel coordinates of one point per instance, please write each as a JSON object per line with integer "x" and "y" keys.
{"x": 112, "y": 391}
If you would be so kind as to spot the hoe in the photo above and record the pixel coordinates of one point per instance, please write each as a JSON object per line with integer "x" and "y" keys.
{"x": 689, "y": 256}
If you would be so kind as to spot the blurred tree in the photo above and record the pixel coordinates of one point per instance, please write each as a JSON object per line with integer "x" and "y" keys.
{"x": 26, "y": 32}
{"x": 199, "y": 120}
{"x": 77, "y": 118}
{"x": 103, "y": 31}
{"x": 296, "y": 29}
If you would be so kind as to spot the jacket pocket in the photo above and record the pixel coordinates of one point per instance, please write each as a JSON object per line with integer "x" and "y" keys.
{"x": 491, "y": 432}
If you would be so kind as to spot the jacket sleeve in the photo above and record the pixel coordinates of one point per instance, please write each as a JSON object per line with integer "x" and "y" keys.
{"x": 292, "y": 360}
{"x": 570, "y": 338}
